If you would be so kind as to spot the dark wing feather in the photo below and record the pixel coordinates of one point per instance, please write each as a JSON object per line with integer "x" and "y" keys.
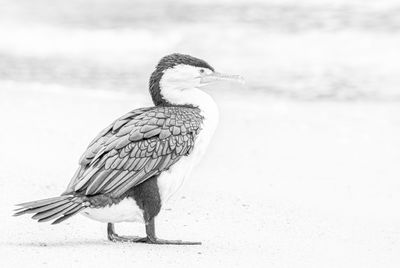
{"x": 93, "y": 152}
{"x": 135, "y": 147}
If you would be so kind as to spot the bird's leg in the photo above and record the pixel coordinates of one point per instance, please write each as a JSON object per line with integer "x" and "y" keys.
{"x": 152, "y": 239}
{"x": 112, "y": 236}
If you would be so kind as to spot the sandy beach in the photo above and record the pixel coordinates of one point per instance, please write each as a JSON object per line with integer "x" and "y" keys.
{"x": 297, "y": 184}
{"x": 304, "y": 167}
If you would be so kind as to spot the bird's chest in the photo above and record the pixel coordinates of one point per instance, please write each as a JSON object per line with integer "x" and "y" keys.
{"x": 171, "y": 180}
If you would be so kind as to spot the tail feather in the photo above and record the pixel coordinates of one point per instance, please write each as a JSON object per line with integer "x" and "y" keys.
{"x": 59, "y": 208}
{"x": 60, "y": 213}
{"x": 53, "y": 212}
{"x": 41, "y": 208}
{"x": 43, "y": 202}
{"x": 69, "y": 214}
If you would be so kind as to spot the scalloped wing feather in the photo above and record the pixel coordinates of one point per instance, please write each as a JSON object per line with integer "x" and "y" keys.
{"x": 135, "y": 147}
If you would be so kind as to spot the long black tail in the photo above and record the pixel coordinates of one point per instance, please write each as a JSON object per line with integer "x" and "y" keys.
{"x": 59, "y": 208}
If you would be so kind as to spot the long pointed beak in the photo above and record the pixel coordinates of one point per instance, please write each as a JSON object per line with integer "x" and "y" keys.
{"x": 214, "y": 77}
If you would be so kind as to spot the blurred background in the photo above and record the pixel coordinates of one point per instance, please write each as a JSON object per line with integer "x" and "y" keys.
{"x": 304, "y": 167}
{"x": 308, "y": 50}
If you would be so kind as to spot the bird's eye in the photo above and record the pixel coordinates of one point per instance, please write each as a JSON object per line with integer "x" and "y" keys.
{"x": 201, "y": 71}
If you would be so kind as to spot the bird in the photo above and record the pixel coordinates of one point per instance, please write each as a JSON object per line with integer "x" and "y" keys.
{"x": 134, "y": 165}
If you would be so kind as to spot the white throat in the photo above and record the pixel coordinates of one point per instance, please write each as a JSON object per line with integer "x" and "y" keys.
{"x": 187, "y": 92}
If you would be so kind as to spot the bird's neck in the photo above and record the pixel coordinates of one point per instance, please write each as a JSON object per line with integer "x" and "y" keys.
{"x": 195, "y": 97}
{"x": 189, "y": 96}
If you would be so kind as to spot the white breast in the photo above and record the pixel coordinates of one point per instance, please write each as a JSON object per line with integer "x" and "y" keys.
{"x": 171, "y": 180}
{"x": 126, "y": 210}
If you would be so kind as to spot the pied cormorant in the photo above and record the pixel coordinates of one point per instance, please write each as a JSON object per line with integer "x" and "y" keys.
{"x": 135, "y": 164}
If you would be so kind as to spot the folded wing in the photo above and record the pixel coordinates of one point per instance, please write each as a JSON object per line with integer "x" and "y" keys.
{"x": 135, "y": 147}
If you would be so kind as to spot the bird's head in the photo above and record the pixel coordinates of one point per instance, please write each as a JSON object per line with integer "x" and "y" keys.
{"x": 178, "y": 77}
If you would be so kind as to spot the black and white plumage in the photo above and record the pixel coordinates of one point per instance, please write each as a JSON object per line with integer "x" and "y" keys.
{"x": 135, "y": 164}
{"x": 141, "y": 144}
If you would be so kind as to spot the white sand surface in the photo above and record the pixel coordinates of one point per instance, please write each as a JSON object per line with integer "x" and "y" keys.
{"x": 284, "y": 184}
